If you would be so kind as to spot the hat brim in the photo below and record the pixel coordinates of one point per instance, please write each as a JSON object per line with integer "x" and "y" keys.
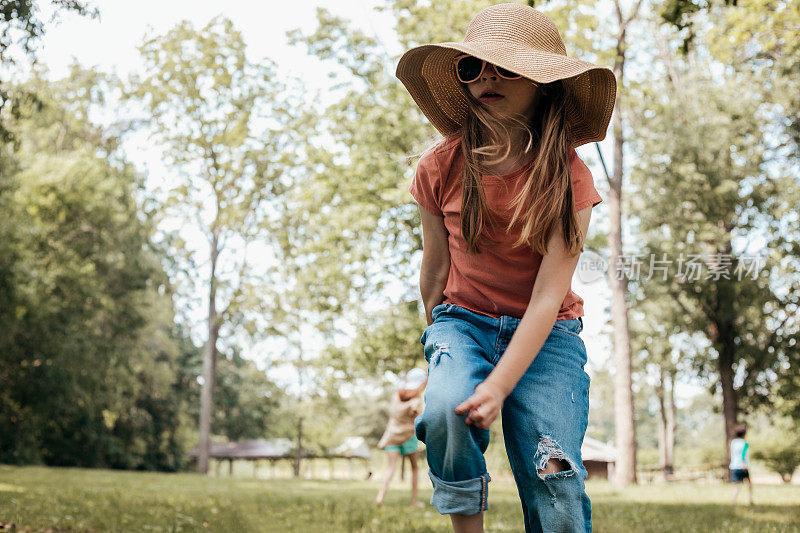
{"x": 429, "y": 75}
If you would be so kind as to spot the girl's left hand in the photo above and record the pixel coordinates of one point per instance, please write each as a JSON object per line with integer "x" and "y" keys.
{"x": 483, "y": 406}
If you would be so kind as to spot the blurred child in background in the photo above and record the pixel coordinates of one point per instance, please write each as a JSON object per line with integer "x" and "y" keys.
{"x": 740, "y": 462}
{"x": 399, "y": 439}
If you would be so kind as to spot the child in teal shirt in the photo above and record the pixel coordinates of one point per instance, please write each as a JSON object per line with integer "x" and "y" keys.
{"x": 740, "y": 462}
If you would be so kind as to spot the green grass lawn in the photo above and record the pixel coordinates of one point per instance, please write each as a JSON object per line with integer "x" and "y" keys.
{"x": 71, "y": 499}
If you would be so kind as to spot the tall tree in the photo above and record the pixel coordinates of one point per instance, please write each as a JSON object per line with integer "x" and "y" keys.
{"x": 86, "y": 288}
{"x": 625, "y": 468}
{"x": 660, "y": 355}
{"x": 220, "y": 120}
{"x": 708, "y": 156}
{"x": 759, "y": 37}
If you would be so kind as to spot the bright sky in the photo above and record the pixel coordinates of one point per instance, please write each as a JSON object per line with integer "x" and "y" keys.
{"x": 110, "y": 43}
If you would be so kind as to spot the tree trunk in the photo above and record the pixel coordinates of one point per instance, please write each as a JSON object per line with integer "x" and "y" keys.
{"x": 625, "y": 470}
{"x": 662, "y": 423}
{"x": 623, "y": 394}
{"x": 665, "y": 391}
{"x": 209, "y": 360}
{"x": 298, "y": 454}
{"x": 730, "y": 408}
{"x": 725, "y": 343}
{"x": 669, "y": 451}
{"x": 625, "y": 432}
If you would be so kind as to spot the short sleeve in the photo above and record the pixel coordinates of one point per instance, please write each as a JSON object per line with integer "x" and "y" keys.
{"x": 583, "y": 190}
{"x": 426, "y": 186}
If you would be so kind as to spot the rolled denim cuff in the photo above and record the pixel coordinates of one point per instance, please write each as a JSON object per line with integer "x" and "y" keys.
{"x": 466, "y": 497}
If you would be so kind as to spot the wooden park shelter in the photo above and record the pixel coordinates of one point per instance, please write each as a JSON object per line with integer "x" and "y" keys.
{"x": 274, "y": 450}
{"x": 598, "y": 458}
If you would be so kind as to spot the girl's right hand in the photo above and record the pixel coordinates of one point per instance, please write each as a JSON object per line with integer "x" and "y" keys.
{"x": 483, "y": 406}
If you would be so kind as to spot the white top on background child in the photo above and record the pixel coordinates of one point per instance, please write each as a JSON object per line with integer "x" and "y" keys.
{"x": 740, "y": 459}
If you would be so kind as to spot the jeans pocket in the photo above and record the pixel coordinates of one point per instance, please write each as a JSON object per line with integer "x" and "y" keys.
{"x": 572, "y": 326}
{"x": 439, "y": 309}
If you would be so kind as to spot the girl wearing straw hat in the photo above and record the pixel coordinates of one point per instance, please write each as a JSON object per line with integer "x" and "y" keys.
{"x": 505, "y": 205}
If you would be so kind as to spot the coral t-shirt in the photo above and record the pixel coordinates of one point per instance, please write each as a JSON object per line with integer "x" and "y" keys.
{"x": 498, "y": 280}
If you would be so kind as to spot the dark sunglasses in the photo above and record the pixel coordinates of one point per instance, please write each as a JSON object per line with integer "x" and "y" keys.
{"x": 469, "y": 68}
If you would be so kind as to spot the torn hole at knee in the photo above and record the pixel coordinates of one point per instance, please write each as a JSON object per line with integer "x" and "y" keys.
{"x": 551, "y": 461}
{"x": 439, "y": 349}
{"x": 556, "y": 465}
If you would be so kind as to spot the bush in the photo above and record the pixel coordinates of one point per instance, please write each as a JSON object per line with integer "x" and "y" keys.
{"x": 782, "y": 457}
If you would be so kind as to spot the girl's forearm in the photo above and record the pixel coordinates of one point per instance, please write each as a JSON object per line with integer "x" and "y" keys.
{"x": 528, "y": 339}
{"x": 431, "y": 287}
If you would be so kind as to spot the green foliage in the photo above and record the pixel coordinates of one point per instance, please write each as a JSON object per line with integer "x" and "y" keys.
{"x": 246, "y": 401}
{"x": 211, "y": 109}
{"x": 386, "y": 341}
{"x": 357, "y": 229}
{"x": 21, "y": 27}
{"x": 95, "y": 370}
{"x": 781, "y": 457}
{"x": 366, "y": 413}
{"x": 680, "y": 13}
{"x": 646, "y": 457}
{"x": 706, "y": 156}
{"x": 700, "y": 434}
{"x": 776, "y": 443}
{"x": 82, "y": 336}
{"x": 759, "y": 36}
{"x": 429, "y": 22}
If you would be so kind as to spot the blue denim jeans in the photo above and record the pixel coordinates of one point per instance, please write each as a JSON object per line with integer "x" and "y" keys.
{"x": 544, "y": 417}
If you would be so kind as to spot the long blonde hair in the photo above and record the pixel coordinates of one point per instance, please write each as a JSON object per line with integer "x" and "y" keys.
{"x": 545, "y": 201}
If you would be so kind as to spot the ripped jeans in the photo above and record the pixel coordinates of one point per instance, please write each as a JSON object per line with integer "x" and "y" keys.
{"x": 544, "y": 417}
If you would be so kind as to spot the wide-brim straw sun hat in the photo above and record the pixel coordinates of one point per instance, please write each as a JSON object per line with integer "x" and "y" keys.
{"x": 520, "y": 39}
